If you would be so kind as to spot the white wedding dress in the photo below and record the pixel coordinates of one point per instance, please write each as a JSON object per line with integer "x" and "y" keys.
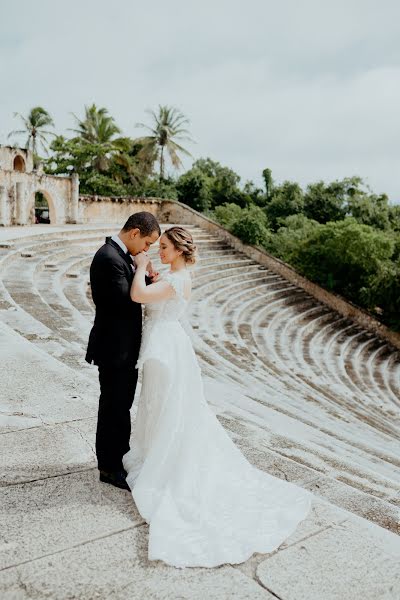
{"x": 206, "y": 505}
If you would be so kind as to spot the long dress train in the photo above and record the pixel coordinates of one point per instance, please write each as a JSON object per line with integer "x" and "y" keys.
{"x": 205, "y": 504}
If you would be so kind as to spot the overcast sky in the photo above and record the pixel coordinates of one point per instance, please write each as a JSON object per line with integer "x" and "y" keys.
{"x": 310, "y": 89}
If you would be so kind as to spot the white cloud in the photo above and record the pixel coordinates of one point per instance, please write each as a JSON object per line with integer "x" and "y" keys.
{"x": 310, "y": 89}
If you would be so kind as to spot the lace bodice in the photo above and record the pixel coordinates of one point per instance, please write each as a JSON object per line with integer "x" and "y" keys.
{"x": 173, "y": 308}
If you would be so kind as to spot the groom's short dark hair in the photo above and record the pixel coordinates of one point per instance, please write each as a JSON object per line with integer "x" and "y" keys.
{"x": 144, "y": 221}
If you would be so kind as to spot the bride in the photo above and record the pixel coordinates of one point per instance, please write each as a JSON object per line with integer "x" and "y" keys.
{"x": 205, "y": 504}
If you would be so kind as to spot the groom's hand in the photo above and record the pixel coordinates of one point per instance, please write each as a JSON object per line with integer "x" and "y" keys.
{"x": 153, "y": 275}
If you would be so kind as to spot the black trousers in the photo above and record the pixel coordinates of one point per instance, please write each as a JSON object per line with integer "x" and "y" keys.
{"x": 117, "y": 390}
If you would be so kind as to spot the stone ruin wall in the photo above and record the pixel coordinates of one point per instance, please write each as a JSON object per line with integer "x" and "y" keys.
{"x": 19, "y": 184}
{"x": 17, "y": 197}
{"x": 101, "y": 209}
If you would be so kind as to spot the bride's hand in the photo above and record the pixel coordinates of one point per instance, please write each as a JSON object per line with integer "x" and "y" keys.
{"x": 141, "y": 259}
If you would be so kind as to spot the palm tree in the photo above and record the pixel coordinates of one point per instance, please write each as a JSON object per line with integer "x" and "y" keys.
{"x": 126, "y": 163}
{"x": 34, "y": 124}
{"x": 168, "y": 126}
{"x": 98, "y": 128}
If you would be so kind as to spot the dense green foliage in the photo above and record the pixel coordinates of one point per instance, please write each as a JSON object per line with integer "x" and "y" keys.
{"x": 356, "y": 255}
{"x": 338, "y": 234}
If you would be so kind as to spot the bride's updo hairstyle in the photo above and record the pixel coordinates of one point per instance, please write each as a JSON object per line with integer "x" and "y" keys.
{"x": 182, "y": 240}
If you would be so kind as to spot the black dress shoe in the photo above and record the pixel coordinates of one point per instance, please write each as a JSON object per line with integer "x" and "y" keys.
{"x": 116, "y": 478}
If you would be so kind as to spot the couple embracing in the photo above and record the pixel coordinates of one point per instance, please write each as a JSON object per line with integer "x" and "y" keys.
{"x": 205, "y": 504}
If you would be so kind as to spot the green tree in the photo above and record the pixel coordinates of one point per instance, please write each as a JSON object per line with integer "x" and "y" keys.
{"x": 252, "y": 226}
{"x": 385, "y": 294}
{"x": 99, "y": 130}
{"x": 227, "y": 214}
{"x": 370, "y": 210}
{"x": 73, "y": 155}
{"x": 327, "y": 202}
{"x": 167, "y": 129}
{"x": 97, "y": 126}
{"x": 269, "y": 182}
{"x": 345, "y": 256}
{"x": 35, "y": 127}
{"x": 81, "y": 156}
{"x": 102, "y": 185}
{"x": 158, "y": 188}
{"x": 253, "y": 194}
{"x": 292, "y": 233}
{"x": 223, "y": 183}
{"x": 116, "y": 159}
{"x": 394, "y": 217}
{"x": 193, "y": 188}
{"x": 287, "y": 199}
{"x": 127, "y": 166}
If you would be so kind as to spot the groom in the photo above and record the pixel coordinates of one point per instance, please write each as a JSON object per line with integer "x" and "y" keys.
{"x": 114, "y": 340}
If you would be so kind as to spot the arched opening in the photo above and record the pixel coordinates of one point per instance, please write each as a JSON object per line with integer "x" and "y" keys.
{"x": 42, "y": 209}
{"x": 19, "y": 164}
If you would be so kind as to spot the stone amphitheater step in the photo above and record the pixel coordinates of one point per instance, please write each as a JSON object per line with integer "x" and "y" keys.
{"x": 286, "y": 352}
{"x": 275, "y": 373}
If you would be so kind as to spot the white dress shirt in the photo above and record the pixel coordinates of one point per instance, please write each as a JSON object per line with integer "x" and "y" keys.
{"x": 117, "y": 240}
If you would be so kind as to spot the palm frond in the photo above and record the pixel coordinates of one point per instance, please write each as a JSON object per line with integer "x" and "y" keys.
{"x": 16, "y": 132}
{"x": 169, "y": 126}
{"x": 179, "y": 148}
{"x": 175, "y": 160}
{"x": 37, "y": 118}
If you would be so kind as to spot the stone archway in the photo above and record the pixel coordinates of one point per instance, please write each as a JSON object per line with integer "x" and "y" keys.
{"x": 19, "y": 164}
{"x": 50, "y": 202}
{"x": 41, "y": 209}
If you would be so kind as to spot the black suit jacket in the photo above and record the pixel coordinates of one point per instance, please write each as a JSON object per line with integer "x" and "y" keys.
{"x": 116, "y": 334}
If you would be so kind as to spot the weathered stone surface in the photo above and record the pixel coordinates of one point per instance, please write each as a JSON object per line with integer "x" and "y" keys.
{"x": 322, "y": 516}
{"x": 60, "y": 512}
{"x": 351, "y": 560}
{"x": 36, "y": 389}
{"x": 117, "y": 567}
{"x": 43, "y": 452}
{"x": 384, "y": 512}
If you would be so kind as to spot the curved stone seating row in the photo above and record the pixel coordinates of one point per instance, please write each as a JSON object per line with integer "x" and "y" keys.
{"x": 286, "y": 403}
{"x": 242, "y": 352}
{"x": 35, "y": 284}
{"x": 283, "y": 367}
{"x": 252, "y": 327}
{"x": 244, "y": 270}
{"x": 278, "y": 321}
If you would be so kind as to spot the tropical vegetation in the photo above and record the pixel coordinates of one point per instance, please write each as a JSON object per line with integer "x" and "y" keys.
{"x": 339, "y": 234}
